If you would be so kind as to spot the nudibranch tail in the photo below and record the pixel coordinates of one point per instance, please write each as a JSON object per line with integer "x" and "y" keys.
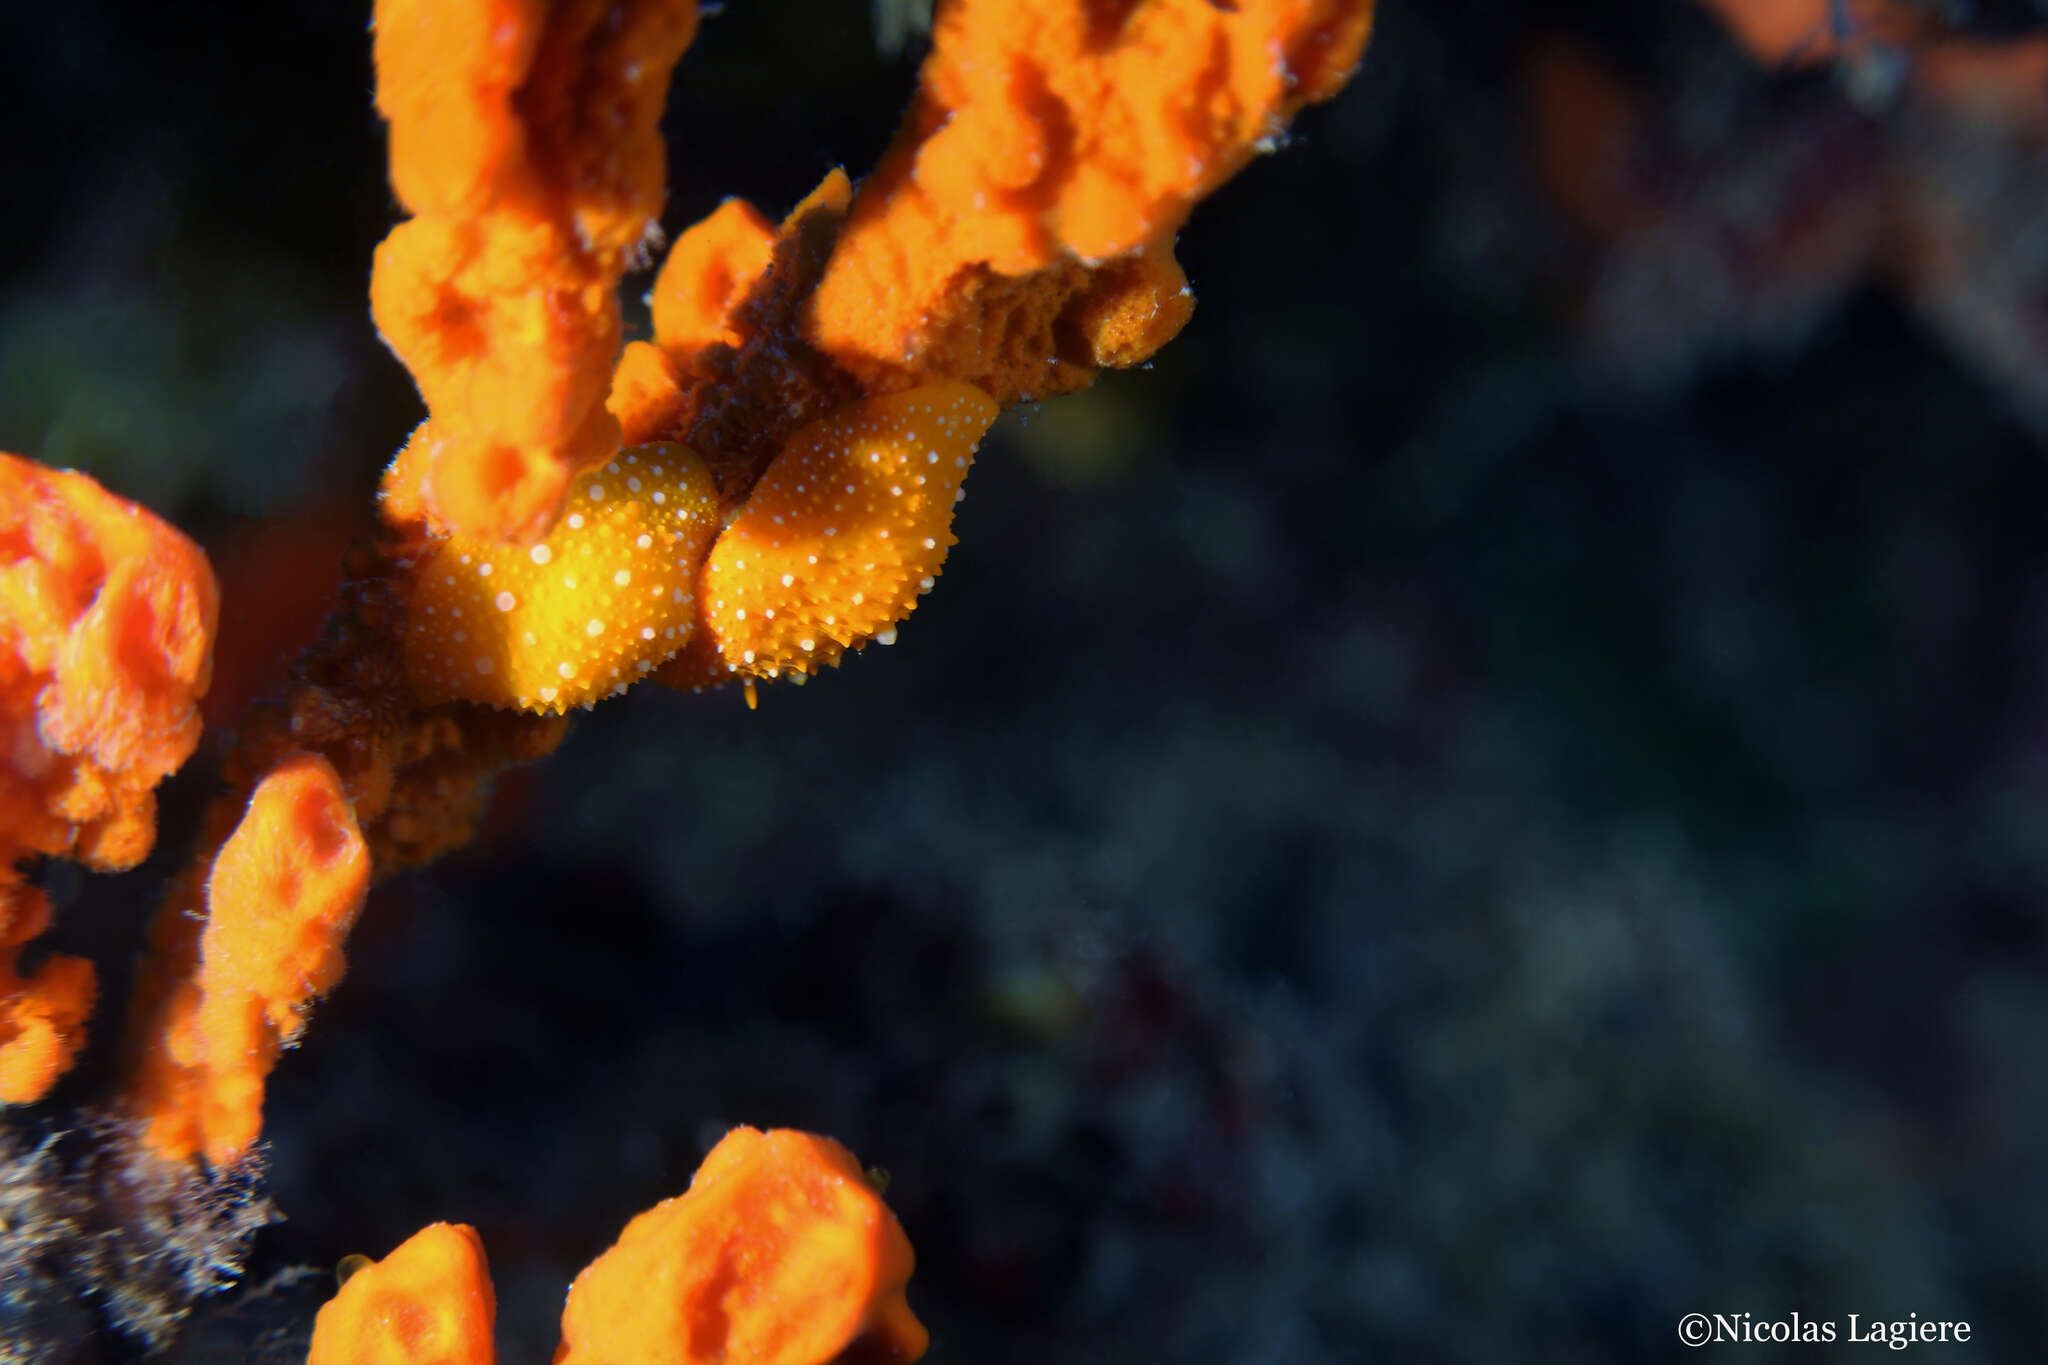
{"x": 847, "y": 528}
{"x": 581, "y": 615}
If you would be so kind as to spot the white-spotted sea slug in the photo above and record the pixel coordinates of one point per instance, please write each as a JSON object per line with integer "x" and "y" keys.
{"x": 846, "y": 529}
{"x": 581, "y": 615}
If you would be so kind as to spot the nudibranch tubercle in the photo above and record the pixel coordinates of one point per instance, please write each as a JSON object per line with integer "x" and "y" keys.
{"x": 584, "y": 613}
{"x": 848, "y": 526}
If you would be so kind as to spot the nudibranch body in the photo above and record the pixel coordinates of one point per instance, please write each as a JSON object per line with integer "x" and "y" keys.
{"x": 846, "y": 529}
{"x": 583, "y": 614}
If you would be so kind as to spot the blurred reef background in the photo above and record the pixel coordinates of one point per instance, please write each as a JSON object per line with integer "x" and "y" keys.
{"x": 1494, "y": 797}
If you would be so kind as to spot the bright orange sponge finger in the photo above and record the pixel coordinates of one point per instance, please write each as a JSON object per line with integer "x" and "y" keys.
{"x": 779, "y": 1254}
{"x": 525, "y": 139}
{"x": 427, "y": 1303}
{"x": 43, "y": 1014}
{"x": 107, "y": 620}
{"x": 281, "y": 897}
{"x": 1051, "y": 143}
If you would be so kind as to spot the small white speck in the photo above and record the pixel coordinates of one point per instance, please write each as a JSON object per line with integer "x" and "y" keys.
{"x": 647, "y": 632}
{"x": 789, "y": 579}
{"x": 931, "y": 543}
{"x": 540, "y": 554}
{"x": 644, "y": 541}
{"x": 596, "y": 493}
{"x": 568, "y": 580}
{"x": 887, "y": 637}
{"x": 505, "y": 601}
{"x": 483, "y": 570}
{"x": 660, "y": 497}
{"x": 575, "y": 521}
{"x": 622, "y": 577}
{"x": 748, "y": 656}
{"x": 807, "y": 645}
{"x": 565, "y": 670}
{"x": 548, "y": 694}
{"x": 859, "y": 598}
{"x": 740, "y": 615}
{"x": 593, "y": 627}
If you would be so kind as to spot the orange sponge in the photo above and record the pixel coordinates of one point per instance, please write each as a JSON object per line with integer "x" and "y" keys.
{"x": 779, "y": 1254}
{"x": 1049, "y": 143}
{"x": 525, "y": 138}
{"x": 107, "y": 621}
{"x": 281, "y": 897}
{"x": 427, "y": 1303}
{"x": 42, "y": 1015}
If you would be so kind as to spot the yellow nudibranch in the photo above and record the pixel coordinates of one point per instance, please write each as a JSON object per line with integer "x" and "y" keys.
{"x": 847, "y": 528}
{"x": 584, "y": 613}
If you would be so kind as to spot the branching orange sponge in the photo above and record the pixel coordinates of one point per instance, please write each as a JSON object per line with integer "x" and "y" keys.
{"x": 707, "y": 273}
{"x": 1019, "y": 233}
{"x": 281, "y": 896}
{"x": 780, "y": 1254}
{"x": 107, "y": 621}
{"x": 43, "y": 1014}
{"x": 584, "y": 613}
{"x": 525, "y": 140}
{"x": 428, "y": 1303}
{"x": 848, "y": 527}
